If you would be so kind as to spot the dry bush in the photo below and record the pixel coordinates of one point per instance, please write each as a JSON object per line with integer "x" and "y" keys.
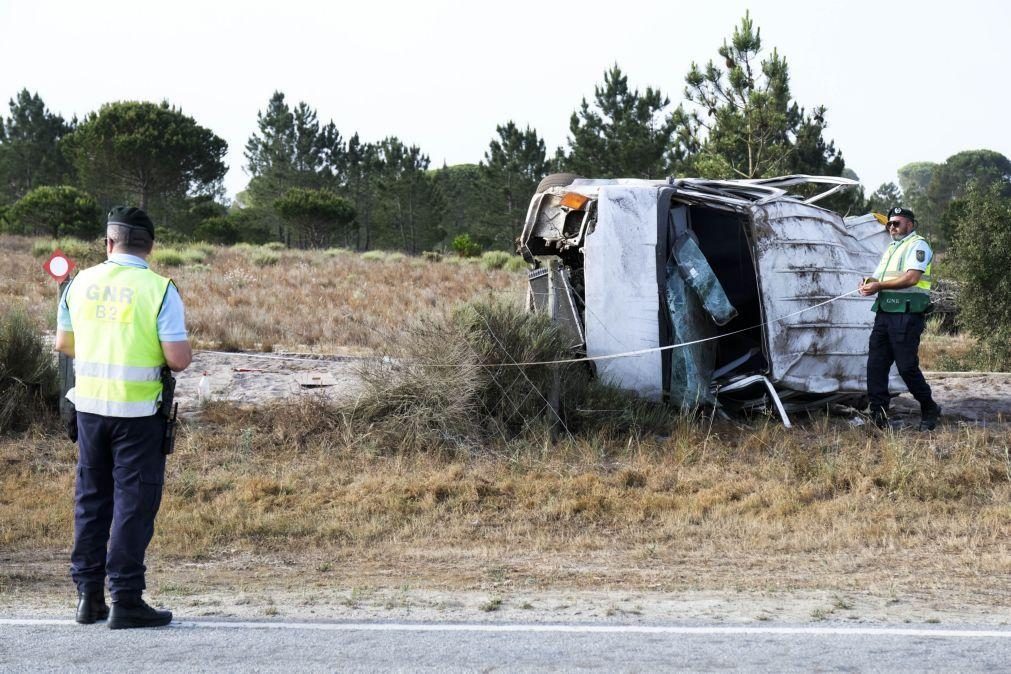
{"x": 28, "y": 385}
{"x": 944, "y": 350}
{"x": 455, "y": 381}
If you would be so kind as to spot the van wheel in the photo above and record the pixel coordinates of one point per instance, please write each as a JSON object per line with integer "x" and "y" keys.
{"x": 556, "y": 180}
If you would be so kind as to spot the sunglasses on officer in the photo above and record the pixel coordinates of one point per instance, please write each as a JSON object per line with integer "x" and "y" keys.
{"x": 894, "y": 223}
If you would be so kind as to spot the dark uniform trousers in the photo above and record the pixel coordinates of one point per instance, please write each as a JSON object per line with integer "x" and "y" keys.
{"x": 120, "y": 474}
{"x": 895, "y": 338}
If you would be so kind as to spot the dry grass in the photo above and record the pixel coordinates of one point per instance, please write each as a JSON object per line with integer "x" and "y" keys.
{"x": 941, "y": 351}
{"x": 684, "y": 505}
{"x": 332, "y": 301}
{"x": 248, "y": 297}
{"x": 749, "y": 507}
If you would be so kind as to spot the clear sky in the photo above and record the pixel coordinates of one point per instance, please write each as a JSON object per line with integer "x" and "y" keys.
{"x": 903, "y": 81}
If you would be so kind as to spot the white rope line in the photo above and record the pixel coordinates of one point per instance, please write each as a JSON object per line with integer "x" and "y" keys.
{"x": 246, "y": 354}
{"x": 565, "y": 361}
{"x": 654, "y": 349}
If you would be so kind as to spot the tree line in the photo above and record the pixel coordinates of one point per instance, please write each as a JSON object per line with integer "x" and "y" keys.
{"x": 312, "y": 186}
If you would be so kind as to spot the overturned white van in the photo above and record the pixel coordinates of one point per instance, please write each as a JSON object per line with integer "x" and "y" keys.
{"x": 702, "y": 292}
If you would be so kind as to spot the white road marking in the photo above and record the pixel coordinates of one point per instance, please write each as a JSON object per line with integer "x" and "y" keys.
{"x": 572, "y": 629}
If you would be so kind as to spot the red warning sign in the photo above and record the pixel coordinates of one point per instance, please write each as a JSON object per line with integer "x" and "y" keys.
{"x": 58, "y": 266}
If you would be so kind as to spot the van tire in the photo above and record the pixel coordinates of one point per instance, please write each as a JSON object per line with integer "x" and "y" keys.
{"x": 556, "y": 180}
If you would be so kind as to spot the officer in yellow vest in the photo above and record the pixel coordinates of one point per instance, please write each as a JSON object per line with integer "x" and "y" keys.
{"x": 122, "y": 324}
{"x": 902, "y": 285}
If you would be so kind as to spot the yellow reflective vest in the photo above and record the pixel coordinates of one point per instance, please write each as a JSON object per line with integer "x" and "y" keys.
{"x": 117, "y": 354}
{"x": 914, "y": 299}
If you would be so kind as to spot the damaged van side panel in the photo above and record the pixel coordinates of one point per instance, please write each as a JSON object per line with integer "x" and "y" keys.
{"x": 807, "y": 256}
{"x": 622, "y": 298}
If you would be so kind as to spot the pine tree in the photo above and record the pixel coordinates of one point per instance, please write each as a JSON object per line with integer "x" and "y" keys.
{"x": 625, "y": 134}
{"x": 513, "y": 165}
{"x": 740, "y": 121}
{"x": 30, "y": 155}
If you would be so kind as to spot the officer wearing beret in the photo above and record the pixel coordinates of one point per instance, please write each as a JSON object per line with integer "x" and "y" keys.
{"x": 122, "y": 324}
{"x": 902, "y": 285}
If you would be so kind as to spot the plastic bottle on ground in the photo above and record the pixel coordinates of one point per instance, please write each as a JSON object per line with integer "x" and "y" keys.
{"x": 204, "y": 389}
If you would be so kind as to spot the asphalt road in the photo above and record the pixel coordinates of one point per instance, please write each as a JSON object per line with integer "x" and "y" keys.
{"x": 61, "y": 645}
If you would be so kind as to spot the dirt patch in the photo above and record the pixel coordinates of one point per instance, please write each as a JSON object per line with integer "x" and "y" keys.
{"x": 980, "y": 398}
{"x": 255, "y": 379}
{"x": 972, "y": 397}
{"x": 469, "y": 586}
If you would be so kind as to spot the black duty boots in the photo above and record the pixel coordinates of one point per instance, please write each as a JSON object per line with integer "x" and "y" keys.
{"x": 131, "y": 611}
{"x": 91, "y": 607}
{"x": 929, "y": 416}
{"x": 879, "y": 418}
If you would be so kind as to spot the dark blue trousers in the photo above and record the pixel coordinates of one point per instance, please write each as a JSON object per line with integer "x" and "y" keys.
{"x": 895, "y": 338}
{"x": 120, "y": 474}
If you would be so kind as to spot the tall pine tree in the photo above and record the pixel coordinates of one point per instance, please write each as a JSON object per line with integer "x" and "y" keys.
{"x": 624, "y": 134}
{"x": 740, "y": 121}
{"x": 30, "y": 155}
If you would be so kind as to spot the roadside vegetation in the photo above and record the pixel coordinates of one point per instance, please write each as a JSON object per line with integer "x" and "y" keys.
{"x": 248, "y": 297}
{"x": 465, "y": 476}
{"x": 703, "y": 505}
{"x": 28, "y": 383}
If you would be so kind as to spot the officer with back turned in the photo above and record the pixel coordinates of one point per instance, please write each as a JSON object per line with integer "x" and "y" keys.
{"x": 122, "y": 324}
{"x": 902, "y": 285}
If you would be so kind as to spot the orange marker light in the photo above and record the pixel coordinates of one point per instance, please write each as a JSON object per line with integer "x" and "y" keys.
{"x": 574, "y": 201}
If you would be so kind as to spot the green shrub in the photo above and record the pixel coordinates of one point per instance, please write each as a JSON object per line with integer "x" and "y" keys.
{"x": 194, "y": 256}
{"x": 517, "y": 263}
{"x": 219, "y": 229}
{"x": 979, "y": 259}
{"x": 254, "y": 225}
{"x": 83, "y": 253}
{"x": 29, "y": 389}
{"x": 167, "y": 257}
{"x": 374, "y": 255}
{"x": 464, "y": 246}
{"x": 495, "y": 259}
{"x": 55, "y": 211}
{"x": 265, "y": 258}
{"x": 464, "y": 261}
{"x": 164, "y": 236}
{"x": 274, "y": 245}
{"x": 454, "y": 381}
{"x": 316, "y": 216}
{"x": 337, "y": 252}
{"x": 395, "y": 256}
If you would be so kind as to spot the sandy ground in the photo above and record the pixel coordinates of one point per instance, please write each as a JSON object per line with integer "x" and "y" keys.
{"x": 247, "y": 587}
{"x": 975, "y": 398}
{"x": 967, "y": 397}
{"x": 254, "y": 379}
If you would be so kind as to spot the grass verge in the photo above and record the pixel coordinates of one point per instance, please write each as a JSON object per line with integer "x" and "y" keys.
{"x": 708, "y": 504}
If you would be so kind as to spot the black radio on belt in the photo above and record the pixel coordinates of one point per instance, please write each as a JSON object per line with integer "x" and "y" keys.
{"x": 168, "y": 409}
